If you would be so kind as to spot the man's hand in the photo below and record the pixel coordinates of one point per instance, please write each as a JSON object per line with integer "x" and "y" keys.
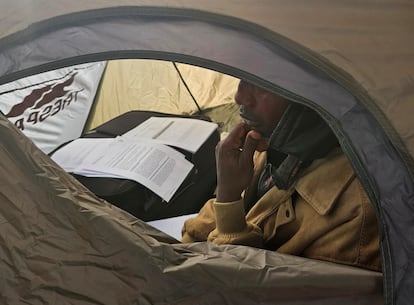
{"x": 234, "y": 157}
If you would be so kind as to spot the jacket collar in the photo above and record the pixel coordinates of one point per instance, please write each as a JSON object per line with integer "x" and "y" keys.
{"x": 320, "y": 185}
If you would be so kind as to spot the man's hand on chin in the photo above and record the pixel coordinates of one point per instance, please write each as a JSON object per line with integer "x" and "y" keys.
{"x": 234, "y": 157}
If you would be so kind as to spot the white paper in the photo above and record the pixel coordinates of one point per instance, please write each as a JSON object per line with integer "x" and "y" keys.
{"x": 160, "y": 168}
{"x": 171, "y": 226}
{"x": 71, "y": 156}
{"x": 185, "y": 133}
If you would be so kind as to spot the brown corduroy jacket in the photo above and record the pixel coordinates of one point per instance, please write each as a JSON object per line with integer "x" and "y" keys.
{"x": 326, "y": 215}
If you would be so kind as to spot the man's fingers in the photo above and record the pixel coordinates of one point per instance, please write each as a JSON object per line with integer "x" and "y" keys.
{"x": 253, "y": 138}
{"x": 262, "y": 145}
{"x": 235, "y": 138}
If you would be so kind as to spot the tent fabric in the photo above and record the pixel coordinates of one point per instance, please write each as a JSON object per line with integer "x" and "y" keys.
{"x": 331, "y": 28}
{"x": 62, "y": 245}
{"x": 48, "y": 114}
{"x": 156, "y": 86}
{"x": 350, "y": 61}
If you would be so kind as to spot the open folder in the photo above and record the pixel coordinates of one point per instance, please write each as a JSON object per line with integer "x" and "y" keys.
{"x": 139, "y": 154}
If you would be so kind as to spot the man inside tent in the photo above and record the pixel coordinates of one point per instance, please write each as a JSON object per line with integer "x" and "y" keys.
{"x": 284, "y": 184}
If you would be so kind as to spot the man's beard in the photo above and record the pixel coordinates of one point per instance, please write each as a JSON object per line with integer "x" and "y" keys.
{"x": 254, "y": 121}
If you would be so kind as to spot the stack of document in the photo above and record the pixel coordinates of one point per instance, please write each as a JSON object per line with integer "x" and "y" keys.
{"x": 141, "y": 154}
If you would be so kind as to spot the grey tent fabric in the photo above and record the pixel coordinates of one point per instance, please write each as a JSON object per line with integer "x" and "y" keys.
{"x": 370, "y": 41}
{"x": 60, "y": 244}
{"x": 352, "y": 62}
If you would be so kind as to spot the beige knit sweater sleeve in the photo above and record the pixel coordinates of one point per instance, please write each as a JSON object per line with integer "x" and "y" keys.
{"x": 222, "y": 223}
{"x": 225, "y": 222}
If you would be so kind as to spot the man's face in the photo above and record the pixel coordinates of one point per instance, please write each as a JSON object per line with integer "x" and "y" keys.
{"x": 259, "y": 108}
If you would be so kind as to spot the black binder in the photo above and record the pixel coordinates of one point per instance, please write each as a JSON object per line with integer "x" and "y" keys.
{"x": 138, "y": 200}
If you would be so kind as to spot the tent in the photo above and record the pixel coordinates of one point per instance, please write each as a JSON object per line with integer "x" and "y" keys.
{"x": 57, "y": 106}
{"x": 352, "y": 62}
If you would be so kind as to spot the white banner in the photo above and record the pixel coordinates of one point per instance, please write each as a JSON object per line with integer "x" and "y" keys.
{"x": 51, "y": 108}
